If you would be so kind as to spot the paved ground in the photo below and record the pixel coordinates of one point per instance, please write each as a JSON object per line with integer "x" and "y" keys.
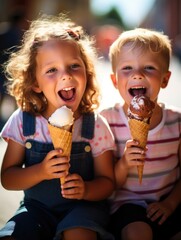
{"x": 9, "y": 199}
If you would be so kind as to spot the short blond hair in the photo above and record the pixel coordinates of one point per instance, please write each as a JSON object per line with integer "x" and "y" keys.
{"x": 144, "y": 39}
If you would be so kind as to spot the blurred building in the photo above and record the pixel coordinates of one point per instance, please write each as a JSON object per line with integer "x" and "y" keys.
{"x": 166, "y": 16}
{"x": 77, "y": 10}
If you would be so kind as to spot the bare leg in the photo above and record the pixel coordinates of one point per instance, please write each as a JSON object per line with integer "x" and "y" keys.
{"x": 177, "y": 236}
{"x": 137, "y": 231}
{"x": 79, "y": 234}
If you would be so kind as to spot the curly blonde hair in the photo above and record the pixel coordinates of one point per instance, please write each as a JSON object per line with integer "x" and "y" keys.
{"x": 145, "y": 39}
{"x": 20, "y": 68}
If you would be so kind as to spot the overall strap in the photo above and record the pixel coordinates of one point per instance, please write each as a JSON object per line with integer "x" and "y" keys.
{"x": 88, "y": 124}
{"x": 28, "y": 124}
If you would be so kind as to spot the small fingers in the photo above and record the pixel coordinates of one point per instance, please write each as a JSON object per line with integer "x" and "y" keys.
{"x": 163, "y": 218}
{"x": 54, "y": 153}
{"x": 155, "y": 212}
{"x": 155, "y": 215}
{"x": 131, "y": 143}
{"x": 159, "y": 215}
{"x": 140, "y": 162}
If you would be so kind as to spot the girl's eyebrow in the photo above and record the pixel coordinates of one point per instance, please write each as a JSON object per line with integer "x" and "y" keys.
{"x": 44, "y": 65}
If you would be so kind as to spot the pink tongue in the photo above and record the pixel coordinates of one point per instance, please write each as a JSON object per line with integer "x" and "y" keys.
{"x": 66, "y": 95}
{"x": 138, "y": 91}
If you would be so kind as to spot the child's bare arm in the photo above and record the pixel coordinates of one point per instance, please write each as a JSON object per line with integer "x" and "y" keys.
{"x": 15, "y": 177}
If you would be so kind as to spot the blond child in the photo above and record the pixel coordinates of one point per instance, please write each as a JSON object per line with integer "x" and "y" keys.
{"x": 140, "y": 61}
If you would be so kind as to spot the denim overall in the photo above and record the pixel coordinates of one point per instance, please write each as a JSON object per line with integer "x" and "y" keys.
{"x": 44, "y": 203}
{"x": 48, "y": 191}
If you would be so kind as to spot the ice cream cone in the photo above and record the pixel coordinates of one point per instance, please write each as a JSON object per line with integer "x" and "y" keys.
{"x": 62, "y": 139}
{"x": 139, "y": 131}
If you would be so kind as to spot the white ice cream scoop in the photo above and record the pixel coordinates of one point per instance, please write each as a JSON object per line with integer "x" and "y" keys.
{"x": 63, "y": 116}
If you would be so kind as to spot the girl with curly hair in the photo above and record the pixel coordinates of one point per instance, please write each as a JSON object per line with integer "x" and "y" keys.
{"x": 53, "y": 67}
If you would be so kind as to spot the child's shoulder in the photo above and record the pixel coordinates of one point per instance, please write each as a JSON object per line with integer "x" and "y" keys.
{"x": 100, "y": 119}
{"x": 16, "y": 116}
{"x": 113, "y": 112}
{"x": 171, "y": 110}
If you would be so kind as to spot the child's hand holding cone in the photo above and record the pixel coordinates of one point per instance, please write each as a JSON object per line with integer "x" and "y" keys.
{"x": 139, "y": 114}
{"x": 60, "y": 125}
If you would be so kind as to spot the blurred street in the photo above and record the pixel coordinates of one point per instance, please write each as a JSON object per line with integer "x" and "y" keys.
{"x": 9, "y": 199}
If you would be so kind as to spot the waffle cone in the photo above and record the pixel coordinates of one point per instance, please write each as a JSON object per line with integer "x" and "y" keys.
{"x": 61, "y": 139}
{"x": 139, "y": 131}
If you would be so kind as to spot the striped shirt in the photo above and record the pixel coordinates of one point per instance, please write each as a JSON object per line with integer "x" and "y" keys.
{"x": 161, "y": 168}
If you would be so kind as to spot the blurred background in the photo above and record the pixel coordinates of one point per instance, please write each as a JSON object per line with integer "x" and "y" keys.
{"x": 104, "y": 19}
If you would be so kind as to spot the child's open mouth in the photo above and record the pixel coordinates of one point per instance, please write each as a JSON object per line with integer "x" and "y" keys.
{"x": 137, "y": 91}
{"x": 67, "y": 94}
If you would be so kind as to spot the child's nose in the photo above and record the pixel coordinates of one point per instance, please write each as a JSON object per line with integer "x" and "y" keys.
{"x": 138, "y": 75}
{"x": 66, "y": 76}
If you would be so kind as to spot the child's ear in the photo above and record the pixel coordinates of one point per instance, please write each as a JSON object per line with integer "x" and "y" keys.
{"x": 36, "y": 88}
{"x": 166, "y": 80}
{"x": 114, "y": 81}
